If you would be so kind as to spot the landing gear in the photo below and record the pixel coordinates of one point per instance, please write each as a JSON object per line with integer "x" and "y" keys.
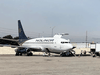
{"x": 29, "y": 54}
{"x": 20, "y": 54}
{"x": 61, "y": 55}
{"x": 47, "y": 52}
{"x": 17, "y": 54}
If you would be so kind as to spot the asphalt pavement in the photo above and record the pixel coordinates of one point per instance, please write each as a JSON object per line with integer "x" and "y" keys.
{"x": 55, "y": 65}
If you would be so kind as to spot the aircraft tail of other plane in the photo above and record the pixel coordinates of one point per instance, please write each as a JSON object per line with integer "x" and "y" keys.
{"x": 22, "y": 36}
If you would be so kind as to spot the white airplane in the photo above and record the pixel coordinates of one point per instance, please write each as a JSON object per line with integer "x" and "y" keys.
{"x": 48, "y": 45}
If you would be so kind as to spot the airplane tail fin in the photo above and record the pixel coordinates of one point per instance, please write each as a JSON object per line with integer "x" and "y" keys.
{"x": 22, "y": 36}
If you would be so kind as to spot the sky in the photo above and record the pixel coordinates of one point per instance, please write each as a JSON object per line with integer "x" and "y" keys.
{"x": 40, "y": 17}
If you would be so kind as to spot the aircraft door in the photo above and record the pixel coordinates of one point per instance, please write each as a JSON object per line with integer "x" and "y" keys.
{"x": 56, "y": 47}
{"x": 61, "y": 46}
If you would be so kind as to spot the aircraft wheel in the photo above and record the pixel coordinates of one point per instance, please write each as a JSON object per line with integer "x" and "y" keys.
{"x": 29, "y": 54}
{"x": 61, "y": 55}
{"x": 91, "y": 53}
{"x": 49, "y": 54}
{"x": 20, "y": 54}
{"x": 99, "y": 54}
{"x": 17, "y": 54}
{"x": 94, "y": 55}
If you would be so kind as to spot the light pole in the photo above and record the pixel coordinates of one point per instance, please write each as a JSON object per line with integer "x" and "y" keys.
{"x": 86, "y": 38}
{"x": 52, "y": 30}
{"x": 39, "y": 35}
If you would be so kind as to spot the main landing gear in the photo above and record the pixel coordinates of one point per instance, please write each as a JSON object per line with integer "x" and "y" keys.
{"x": 29, "y": 53}
{"x": 47, "y": 52}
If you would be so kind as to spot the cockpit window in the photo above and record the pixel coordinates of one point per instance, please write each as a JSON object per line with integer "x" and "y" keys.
{"x": 64, "y": 42}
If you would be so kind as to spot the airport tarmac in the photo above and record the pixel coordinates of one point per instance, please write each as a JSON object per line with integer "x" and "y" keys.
{"x": 9, "y": 50}
{"x": 55, "y": 65}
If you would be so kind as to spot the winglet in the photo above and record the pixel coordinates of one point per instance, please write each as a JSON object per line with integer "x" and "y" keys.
{"x": 22, "y": 36}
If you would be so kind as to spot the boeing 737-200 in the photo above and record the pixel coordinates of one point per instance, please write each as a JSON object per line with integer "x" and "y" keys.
{"x": 48, "y": 45}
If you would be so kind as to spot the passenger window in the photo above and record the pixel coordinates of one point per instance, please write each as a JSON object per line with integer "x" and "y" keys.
{"x": 64, "y": 42}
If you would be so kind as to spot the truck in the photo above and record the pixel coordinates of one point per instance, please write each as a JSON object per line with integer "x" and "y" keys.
{"x": 95, "y": 49}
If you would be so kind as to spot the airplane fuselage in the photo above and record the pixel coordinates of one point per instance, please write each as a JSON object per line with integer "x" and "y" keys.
{"x": 56, "y": 45}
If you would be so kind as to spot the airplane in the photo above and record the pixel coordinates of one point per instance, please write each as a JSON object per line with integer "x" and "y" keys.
{"x": 55, "y": 44}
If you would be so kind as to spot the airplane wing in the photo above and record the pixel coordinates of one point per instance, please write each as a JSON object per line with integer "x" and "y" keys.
{"x": 4, "y": 41}
{"x": 8, "y": 39}
{"x": 32, "y": 48}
